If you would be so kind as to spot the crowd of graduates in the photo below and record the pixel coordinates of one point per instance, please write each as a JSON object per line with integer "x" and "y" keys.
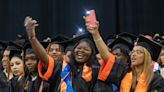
{"x": 84, "y": 63}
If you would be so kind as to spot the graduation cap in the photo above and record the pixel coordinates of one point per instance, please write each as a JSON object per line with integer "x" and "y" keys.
{"x": 121, "y": 41}
{"x": 59, "y": 39}
{"x": 17, "y": 53}
{"x": 153, "y": 47}
{"x": 69, "y": 48}
{"x": 28, "y": 48}
{"x": 128, "y": 36}
{"x": 44, "y": 44}
{"x": 68, "y": 45}
{"x": 86, "y": 35}
{"x": 110, "y": 39}
{"x": 13, "y": 46}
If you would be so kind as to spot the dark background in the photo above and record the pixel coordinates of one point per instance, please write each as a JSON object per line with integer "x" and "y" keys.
{"x": 65, "y": 16}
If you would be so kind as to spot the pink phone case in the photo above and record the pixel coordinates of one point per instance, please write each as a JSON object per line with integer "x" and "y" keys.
{"x": 91, "y": 18}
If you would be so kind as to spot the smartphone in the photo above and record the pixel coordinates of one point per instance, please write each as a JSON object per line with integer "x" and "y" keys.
{"x": 91, "y": 18}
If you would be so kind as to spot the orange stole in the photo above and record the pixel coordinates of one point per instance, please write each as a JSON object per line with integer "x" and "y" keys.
{"x": 49, "y": 71}
{"x": 106, "y": 67}
{"x": 126, "y": 83}
{"x": 86, "y": 75}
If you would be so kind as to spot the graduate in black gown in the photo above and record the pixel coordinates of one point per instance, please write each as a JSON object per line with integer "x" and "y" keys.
{"x": 33, "y": 83}
{"x": 77, "y": 75}
{"x": 5, "y": 73}
{"x": 17, "y": 67}
{"x": 120, "y": 48}
{"x": 139, "y": 77}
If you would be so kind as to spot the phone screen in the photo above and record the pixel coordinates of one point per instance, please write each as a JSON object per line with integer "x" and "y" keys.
{"x": 91, "y": 18}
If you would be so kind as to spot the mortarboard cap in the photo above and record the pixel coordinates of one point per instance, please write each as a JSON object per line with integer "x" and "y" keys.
{"x": 44, "y": 44}
{"x": 13, "y": 46}
{"x": 86, "y": 35}
{"x": 67, "y": 45}
{"x": 153, "y": 47}
{"x": 110, "y": 39}
{"x": 82, "y": 36}
{"x": 28, "y": 46}
{"x": 17, "y": 53}
{"x": 59, "y": 39}
{"x": 128, "y": 36}
{"x": 120, "y": 40}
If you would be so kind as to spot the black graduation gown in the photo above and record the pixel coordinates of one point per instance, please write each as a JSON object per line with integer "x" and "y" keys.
{"x": 17, "y": 86}
{"x": 78, "y": 83}
{"x": 4, "y": 85}
{"x": 33, "y": 86}
{"x": 157, "y": 83}
{"x": 119, "y": 70}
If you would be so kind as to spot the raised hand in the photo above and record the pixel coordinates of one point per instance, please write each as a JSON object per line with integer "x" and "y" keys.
{"x": 30, "y": 26}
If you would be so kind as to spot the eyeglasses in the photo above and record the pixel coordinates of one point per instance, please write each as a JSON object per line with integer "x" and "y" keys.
{"x": 137, "y": 52}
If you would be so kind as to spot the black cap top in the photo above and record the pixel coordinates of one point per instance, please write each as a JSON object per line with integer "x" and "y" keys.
{"x": 17, "y": 53}
{"x": 120, "y": 40}
{"x": 82, "y": 36}
{"x": 28, "y": 46}
{"x": 128, "y": 36}
{"x": 44, "y": 44}
{"x": 110, "y": 39}
{"x": 13, "y": 46}
{"x": 67, "y": 45}
{"x": 86, "y": 35}
{"x": 21, "y": 41}
{"x": 59, "y": 39}
{"x": 153, "y": 47}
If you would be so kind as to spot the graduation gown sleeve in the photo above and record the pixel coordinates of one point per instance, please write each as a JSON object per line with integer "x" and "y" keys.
{"x": 157, "y": 83}
{"x": 113, "y": 71}
{"x": 52, "y": 74}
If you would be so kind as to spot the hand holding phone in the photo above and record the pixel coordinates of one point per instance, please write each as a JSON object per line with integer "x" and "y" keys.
{"x": 91, "y": 18}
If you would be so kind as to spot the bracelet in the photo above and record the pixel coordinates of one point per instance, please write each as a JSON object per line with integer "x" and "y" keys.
{"x": 31, "y": 37}
{"x": 96, "y": 40}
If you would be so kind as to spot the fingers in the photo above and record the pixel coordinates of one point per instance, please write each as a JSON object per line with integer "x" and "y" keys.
{"x": 30, "y": 22}
{"x": 36, "y": 25}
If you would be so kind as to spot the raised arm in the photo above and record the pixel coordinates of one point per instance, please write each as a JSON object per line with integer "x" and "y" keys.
{"x": 39, "y": 50}
{"x": 101, "y": 46}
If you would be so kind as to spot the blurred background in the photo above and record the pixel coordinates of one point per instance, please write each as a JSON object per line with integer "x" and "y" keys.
{"x": 66, "y": 16}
